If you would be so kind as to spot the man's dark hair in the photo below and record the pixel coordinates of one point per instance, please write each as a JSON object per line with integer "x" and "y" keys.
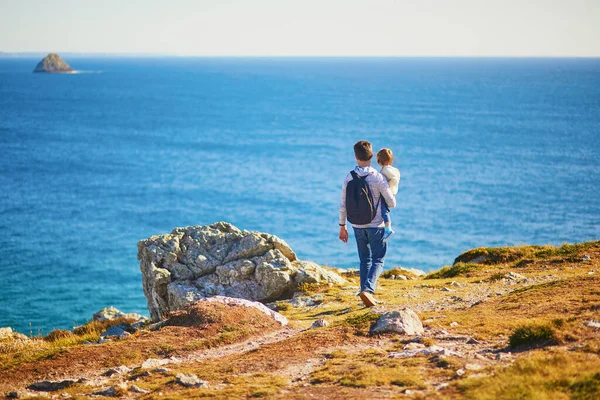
{"x": 363, "y": 150}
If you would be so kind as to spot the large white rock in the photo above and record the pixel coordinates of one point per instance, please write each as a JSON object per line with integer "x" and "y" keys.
{"x": 196, "y": 262}
{"x": 404, "y": 321}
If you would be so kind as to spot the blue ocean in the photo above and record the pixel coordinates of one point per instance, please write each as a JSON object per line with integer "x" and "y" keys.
{"x": 492, "y": 152}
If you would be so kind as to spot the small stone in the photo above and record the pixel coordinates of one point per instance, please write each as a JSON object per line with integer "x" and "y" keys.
{"x": 402, "y": 277}
{"x": 65, "y": 395}
{"x": 478, "y": 356}
{"x": 500, "y": 356}
{"x": 460, "y": 372}
{"x": 124, "y": 335}
{"x": 157, "y": 325}
{"x": 190, "y": 380}
{"x": 456, "y": 284}
{"x": 592, "y": 324}
{"x": 139, "y": 375}
{"x": 138, "y": 325}
{"x": 445, "y": 289}
{"x": 137, "y": 389}
{"x": 414, "y": 346}
{"x": 109, "y": 392}
{"x": 12, "y": 395}
{"x": 116, "y": 330}
{"x": 320, "y": 323}
{"x": 473, "y": 367}
{"x": 473, "y": 341}
{"x": 431, "y": 350}
{"x": 154, "y": 362}
{"x": 453, "y": 324}
{"x": 50, "y": 386}
{"x": 442, "y": 386}
{"x": 120, "y": 370}
{"x": 161, "y": 370}
{"x": 586, "y": 257}
{"x": 392, "y": 277}
{"x": 514, "y": 277}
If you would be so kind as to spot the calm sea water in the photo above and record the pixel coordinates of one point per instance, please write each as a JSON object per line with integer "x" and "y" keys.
{"x": 492, "y": 152}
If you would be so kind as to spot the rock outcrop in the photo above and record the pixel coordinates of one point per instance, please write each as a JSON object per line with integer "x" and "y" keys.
{"x": 201, "y": 261}
{"x": 52, "y": 63}
{"x": 404, "y": 321}
{"x": 110, "y": 313}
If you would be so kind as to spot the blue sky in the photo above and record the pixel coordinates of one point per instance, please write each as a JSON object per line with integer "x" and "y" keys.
{"x": 304, "y": 27}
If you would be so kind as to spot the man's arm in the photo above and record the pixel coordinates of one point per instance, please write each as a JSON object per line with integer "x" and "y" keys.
{"x": 343, "y": 214}
{"x": 384, "y": 190}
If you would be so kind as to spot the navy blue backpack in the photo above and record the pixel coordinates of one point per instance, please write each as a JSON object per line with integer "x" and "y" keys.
{"x": 359, "y": 201}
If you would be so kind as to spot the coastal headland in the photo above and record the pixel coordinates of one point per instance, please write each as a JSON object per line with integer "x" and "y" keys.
{"x": 500, "y": 323}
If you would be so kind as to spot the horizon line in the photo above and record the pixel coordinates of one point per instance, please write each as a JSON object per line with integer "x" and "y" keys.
{"x": 175, "y": 55}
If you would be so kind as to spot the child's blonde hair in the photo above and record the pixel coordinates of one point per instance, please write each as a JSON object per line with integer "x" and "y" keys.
{"x": 385, "y": 157}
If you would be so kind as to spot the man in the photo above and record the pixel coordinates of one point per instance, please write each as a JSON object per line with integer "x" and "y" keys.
{"x": 369, "y": 235}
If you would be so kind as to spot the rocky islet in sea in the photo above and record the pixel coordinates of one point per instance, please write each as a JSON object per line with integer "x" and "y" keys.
{"x": 53, "y": 64}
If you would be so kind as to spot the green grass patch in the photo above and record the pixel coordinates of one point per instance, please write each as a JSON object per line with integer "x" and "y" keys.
{"x": 505, "y": 255}
{"x": 460, "y": 269}
{"x": 533, "y": 336}
{"x": 361, "y": 322}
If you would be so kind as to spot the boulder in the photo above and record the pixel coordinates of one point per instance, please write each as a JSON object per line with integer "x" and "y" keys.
{"x": 190, "y": 380}
{"x": 6, "y": 333}
{"x": 116, "y": 330}
{"x": 197, "y": 262}
{"x": 320, "y": 323}
{"x": 137, "y": 389}
{"x": 110, "y": 313}
{"x": 404, "y": 321}
{"x": 514, "y": 277}
{"x": 109, "y": 392}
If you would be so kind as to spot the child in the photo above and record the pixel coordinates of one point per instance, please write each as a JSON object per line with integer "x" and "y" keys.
{"x": 385, "y": 157}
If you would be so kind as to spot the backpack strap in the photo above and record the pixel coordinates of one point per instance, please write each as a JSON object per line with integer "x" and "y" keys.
{"x": 354, "y": 174}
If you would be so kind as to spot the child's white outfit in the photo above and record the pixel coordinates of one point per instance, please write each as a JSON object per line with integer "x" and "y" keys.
{"x": 392, "y": 175}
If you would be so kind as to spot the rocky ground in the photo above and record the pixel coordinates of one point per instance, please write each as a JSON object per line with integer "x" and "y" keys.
{"x": 520, "y": 322}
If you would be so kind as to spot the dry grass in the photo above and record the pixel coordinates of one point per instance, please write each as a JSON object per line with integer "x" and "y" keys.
{"x": 347, "y": 362}
{"x": 398, "y": 271}
{"x": 373, "y": 368}
{"x": 543, "y": 376}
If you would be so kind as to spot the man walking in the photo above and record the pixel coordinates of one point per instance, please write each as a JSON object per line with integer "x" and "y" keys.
{"x": 360, "y": 204}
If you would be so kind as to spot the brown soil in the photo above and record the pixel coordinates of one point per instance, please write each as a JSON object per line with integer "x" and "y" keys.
{"x": 201, "y": 322}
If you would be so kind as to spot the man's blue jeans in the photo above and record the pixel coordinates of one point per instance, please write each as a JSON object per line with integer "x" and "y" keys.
{"x": 371, "y": 251}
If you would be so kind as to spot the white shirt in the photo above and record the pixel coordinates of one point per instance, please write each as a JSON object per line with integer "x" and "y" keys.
{"x": 379, "y": 187}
